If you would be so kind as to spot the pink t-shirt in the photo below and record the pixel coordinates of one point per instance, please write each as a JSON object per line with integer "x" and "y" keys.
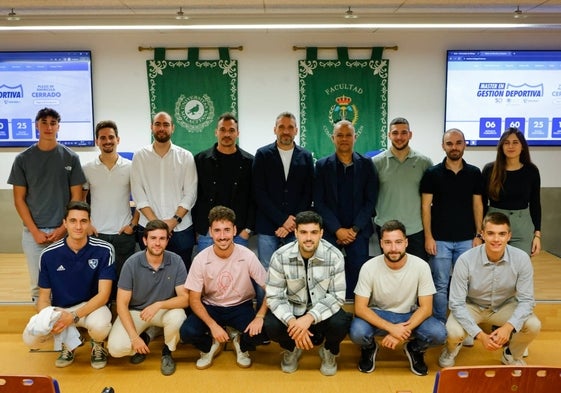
{"x": 225, "y": 282}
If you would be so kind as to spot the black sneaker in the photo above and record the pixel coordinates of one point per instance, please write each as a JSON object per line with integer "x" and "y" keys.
{"x": 416, "y": 360}
{"x": 138, "y": 358}
{"x": 367, "y": 362}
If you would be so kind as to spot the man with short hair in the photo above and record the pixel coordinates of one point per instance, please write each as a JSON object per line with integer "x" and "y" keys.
{"x": 283, "y": 185}
{"x": 45, "y": 177}
{"x": 224, "y": 173}
{"x": 345, "y": 192}
{"x": 221, "y": 295}
{"x": 164, "y": 186}
{"x": 150, "y": 294}
{"x": 452, "y": 188}
{"x": 305, "y": 292}
{"x": 492, "y": 284}
{"x": 109, "y": 188}
{"x": 400, "y": 170}
{"x": 394, "y": 300}
{"x": 75, "y": 282}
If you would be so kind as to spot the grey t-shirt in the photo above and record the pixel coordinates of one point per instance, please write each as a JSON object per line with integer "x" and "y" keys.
{"x": 48, "y": 176}
{"x": 148, "y": 285}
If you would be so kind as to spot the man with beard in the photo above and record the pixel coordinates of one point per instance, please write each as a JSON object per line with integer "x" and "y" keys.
{"x": 221, "y": 294}
{"x": 150, "y": 293}
{"x": 282, "y": 184}
{"x": 109, "y": 187}
{"x": 345, "y": 192}
{"x": 393, "y": 299}
{"x": 400, "y": 170}
{"x": 224, "y": 173}
{"x": 164, "y": 186}
{"x": 305, "y": 293}
{"x": 452, "y": 211}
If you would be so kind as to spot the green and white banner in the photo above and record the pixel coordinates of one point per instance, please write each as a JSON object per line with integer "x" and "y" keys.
{"x": 334, "y": 90}
{"x": 195, "y": 93}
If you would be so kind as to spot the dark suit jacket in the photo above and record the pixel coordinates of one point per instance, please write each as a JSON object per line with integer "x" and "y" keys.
{"x": 365, "y": 192}
{"x": 275, "y": 196}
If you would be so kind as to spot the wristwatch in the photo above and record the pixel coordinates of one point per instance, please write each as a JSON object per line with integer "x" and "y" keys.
{"x": 479, "y": 236}
{"x": 248, "y": 231}
{"x": 75, "y": 317}
{"x": 355, "y": 229}
{"x": 178, "y": 219}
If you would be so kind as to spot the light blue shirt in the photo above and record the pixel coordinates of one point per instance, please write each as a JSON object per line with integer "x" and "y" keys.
{"x": 491, "y": 285}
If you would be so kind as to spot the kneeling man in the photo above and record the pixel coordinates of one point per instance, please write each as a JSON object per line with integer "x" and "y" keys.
{"x": 393, "y": 299}
{"x": 492, "y": 284}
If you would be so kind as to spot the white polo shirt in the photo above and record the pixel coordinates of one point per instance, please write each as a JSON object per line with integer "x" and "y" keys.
{"x": 110, "y": 191}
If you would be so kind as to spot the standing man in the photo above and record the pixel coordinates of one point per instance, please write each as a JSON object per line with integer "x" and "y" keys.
{"x": 109, "y": 186}
{"x": 400, "y": 170}
{"x": 452, "y": 188}
{"x": 394, "y": 300}
{"x": 282, "y": 184}
{"x": 45, "y": 177}
{"x": 221, "y": 294}
{"x": 224, "y": 173}
{"x": 164, "y": 186}
{"x": 492, "y": 284}
{"x": 150, "y": 293}
{"x": 75, "y": 282}
{"x": 305, "y": 292}
{"x": 345, "y": 192}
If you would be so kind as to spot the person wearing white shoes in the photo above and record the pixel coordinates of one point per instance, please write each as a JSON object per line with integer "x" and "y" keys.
{"x": 221, "y": 295}
{"x": 492, "y": 284}
{"x": 305, "y": 291}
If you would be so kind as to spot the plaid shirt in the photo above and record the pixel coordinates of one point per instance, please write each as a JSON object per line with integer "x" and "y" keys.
{"x": 288, "y": 283}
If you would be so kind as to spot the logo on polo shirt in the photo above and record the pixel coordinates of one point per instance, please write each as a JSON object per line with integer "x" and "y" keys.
{"x": 93, "y": 263}
{"x": 60, "y": 269}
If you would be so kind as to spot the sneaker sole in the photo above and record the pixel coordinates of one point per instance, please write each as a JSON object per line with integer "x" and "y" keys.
{"x": 98, "y": 365}
{"x": 411, "y": 364}
{"x": 373, "y": 363}
{"x": 218, "y": 351}
{"x": 241, "y": 365}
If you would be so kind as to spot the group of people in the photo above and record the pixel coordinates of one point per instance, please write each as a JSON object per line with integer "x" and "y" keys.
{"x": 314, "y": 224}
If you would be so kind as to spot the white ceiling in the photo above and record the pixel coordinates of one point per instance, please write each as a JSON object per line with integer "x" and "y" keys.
{"x": 268, "y": 7}
{"x": 282, "y": 11}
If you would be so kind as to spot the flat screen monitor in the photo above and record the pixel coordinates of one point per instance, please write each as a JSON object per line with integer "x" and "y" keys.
{"x": 488, "y": 91}
{"x": 32, "y": 80}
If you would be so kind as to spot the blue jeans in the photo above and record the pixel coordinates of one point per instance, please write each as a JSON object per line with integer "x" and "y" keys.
{"x": 195, "y": 331}
{"x": 431, "y": 332}
{"x": 267, "y": 245}
{"x": 441, "y": 266}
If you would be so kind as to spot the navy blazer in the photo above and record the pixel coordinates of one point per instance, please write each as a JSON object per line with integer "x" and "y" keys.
{"x": 276, "y": 197}
{"x": 365, "y": 193}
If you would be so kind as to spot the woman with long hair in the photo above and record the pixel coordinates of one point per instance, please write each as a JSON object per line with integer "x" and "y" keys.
{"x": 513, "y": 188}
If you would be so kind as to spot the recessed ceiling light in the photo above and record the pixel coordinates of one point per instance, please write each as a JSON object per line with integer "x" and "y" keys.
{"x": 349, "y": 14}
{"x": 180, "y": 15}
{"x": 12, "y": 15}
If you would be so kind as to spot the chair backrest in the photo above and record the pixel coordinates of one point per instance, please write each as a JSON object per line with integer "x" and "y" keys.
{"x": 28, "y": 384}
{"x": 498, "y": 379}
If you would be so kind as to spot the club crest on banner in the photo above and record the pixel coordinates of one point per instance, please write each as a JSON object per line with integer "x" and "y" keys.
{"x": 194, "y": 113}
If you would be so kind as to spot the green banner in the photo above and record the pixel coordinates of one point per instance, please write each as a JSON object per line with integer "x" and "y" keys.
{"x": 333, "y": 90}
{"x": 195, "y": 93}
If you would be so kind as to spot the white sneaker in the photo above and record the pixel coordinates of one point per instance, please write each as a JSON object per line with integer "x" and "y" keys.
{"x": 468, "y": 341}
{"x": 328, "y": 362}
{"x": 448, "y": 359}
{"x": 206, "y": 359}
{"x": 242, "y": 358}
{"x": 289, "y": 362}
{"x": 509, "y": 360}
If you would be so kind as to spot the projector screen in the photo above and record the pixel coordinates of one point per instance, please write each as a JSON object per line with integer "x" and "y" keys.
{"x": 488, "y": 91}
{"x": 30, "y": 81}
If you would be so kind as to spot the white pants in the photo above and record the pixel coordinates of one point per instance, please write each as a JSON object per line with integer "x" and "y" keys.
{"x": 119, "y": 342}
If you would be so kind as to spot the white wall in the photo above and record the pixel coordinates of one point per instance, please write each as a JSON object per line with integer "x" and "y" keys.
{"x": 268, "y": 81}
